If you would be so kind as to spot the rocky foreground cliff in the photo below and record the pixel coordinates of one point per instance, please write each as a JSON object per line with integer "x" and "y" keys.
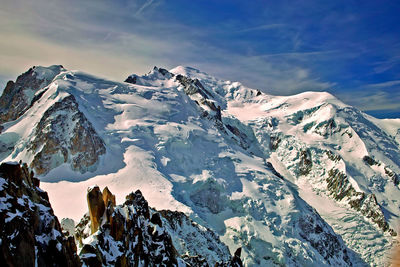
{"x": 30, "y": 233}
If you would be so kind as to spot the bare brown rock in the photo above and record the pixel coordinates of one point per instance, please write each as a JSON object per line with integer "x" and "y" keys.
{"x": 65, "y": 135}
{"x": 96, "y": 207}
{"x": 17, "y": 96}
{"x": 108, "y": 197}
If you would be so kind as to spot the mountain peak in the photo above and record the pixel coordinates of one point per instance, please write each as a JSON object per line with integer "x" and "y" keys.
{"x": 184, "y": 70}
{"x": 47, "y": 73}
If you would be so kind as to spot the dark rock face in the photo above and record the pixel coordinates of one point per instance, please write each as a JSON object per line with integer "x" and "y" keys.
{"x": 131, "y": 234}
{"x": 29, "y": 232}
{"x": 341, "y": 188}
{"x": 129, "y": 231}
{"x": 64, "y": 135}
{"x": 18, "y": 96}
{"x": 392, "y": 175}
{"x": 370, "y": 161}
{"x": 274, "y": 142}
{"x": 241, "y": 136}
{"x": 192, "y": 87}
{"x": 131, "y": 79}
{"x": 323, "y": 240}
{"x": 305, "y": 164}
{"x": 327, "y": 128}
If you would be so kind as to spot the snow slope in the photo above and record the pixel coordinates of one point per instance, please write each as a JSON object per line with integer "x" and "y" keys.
{"x": 251, "y": 166}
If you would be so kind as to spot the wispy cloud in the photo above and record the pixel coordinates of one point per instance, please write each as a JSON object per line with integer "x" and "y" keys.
{"x": 385, "y": 84}
{"x": 383, "y": 66}
{"x": 263, "y": 27}
{"x": 144, "y": 6}
{"x": 300, "y": 55}
{"x": 373, "y": 100}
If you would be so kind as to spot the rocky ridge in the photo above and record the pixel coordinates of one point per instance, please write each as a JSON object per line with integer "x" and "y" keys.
{"x": 65, "y": 135}
{"x": 30, "y": 233}
{"x": 20, "y": 95}
{"x": 133, "y": 234}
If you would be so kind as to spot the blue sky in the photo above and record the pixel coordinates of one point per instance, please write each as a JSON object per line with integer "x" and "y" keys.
{"x": 349, "y": 48}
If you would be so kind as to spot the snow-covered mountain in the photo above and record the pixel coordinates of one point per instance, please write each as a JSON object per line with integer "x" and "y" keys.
{"x": 295, "y": 180}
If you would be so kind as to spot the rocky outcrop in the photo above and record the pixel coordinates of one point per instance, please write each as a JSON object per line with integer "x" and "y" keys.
{"x": 305, "y": 164}
{"x": 274, "y": 142}
{"x": 18, "y": 96}
{"x": 370, "y": 161}
{"x": 323, "y": 240}
{"x": 327, "y": 128}
{"x": 391, "y": 174}
{"x": 108, "y": 197}
{"x": 155, "y": 74}
{"x": 96, "y": 207}
{"x": 30, "y": 233}
{"x": 194, "y": 87}
{"x": 341, "y": 188}
{"x": 65, "y": 135}
{"x": 133, "y": 234}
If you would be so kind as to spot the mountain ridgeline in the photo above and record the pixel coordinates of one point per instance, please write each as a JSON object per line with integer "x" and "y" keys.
{"x": 302, "y": 180}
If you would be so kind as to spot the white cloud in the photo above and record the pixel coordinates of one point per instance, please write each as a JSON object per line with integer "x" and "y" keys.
{"x": 386, "y": 65}
{"x": 368, "y": 100}
{"x": 263, "y": 27}
{"x": 144, "y": 6}
{"x": 385, "y": 84}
